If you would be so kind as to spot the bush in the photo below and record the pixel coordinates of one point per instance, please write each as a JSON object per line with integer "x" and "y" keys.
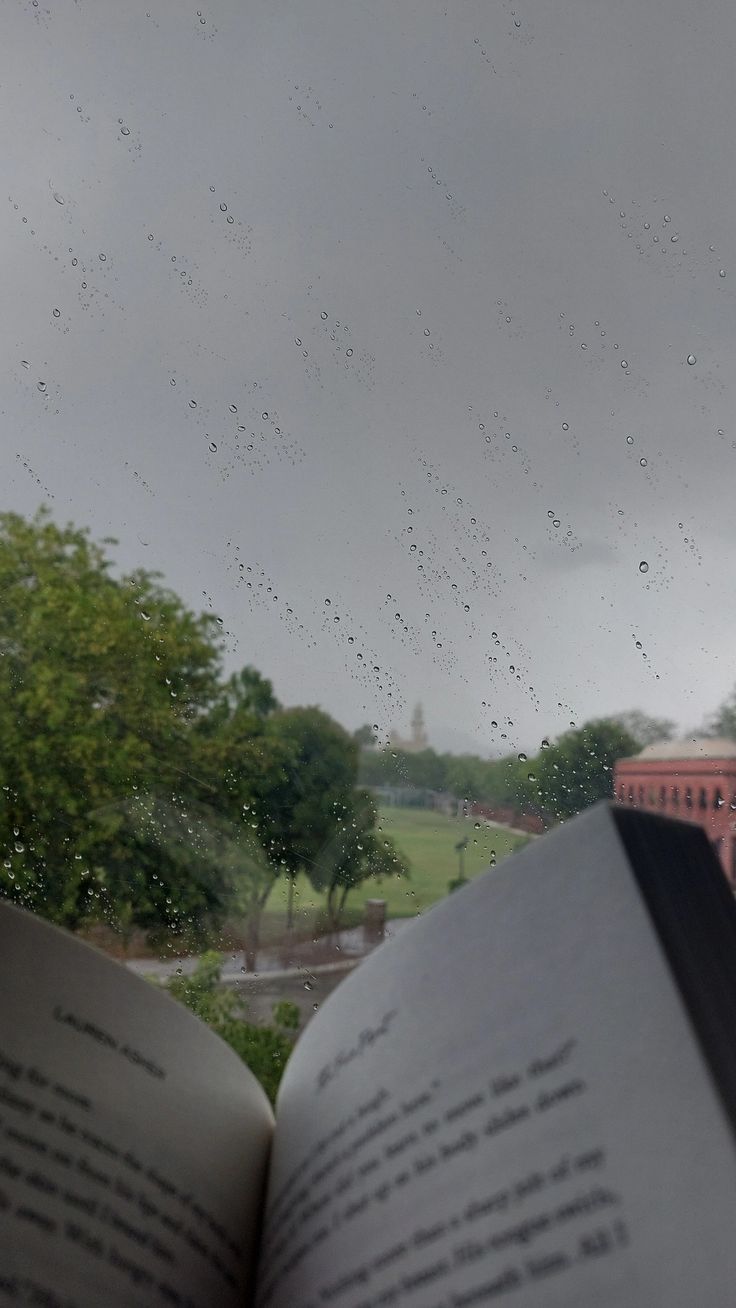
{"x": 264, "y": 1049}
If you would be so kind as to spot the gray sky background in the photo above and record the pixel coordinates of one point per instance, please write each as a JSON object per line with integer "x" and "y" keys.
{"x": 471, "y": 250}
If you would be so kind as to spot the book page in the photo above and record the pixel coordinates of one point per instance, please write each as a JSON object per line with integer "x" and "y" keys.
{"x": 133, "y": 1142}
{"x": 506, "y": 1105}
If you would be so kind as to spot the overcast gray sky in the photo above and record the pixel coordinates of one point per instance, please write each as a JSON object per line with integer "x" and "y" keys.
{"x": 392, "y": 304}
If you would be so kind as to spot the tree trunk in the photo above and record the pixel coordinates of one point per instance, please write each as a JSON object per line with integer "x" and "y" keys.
{"x": 253, "y": 931}
{"x": 331, "y": 906}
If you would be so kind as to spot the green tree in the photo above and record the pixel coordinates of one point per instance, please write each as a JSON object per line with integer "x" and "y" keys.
{"x": 577, "y": 769}
{"x": 644, "y": 728}
{"x": 426, "y": 770}
{"x": 354, "y": 853}
{"x": 364, "y": 736}
{"x": 723, "y": 721}
{"x": 100, "y": 682}
{"x": 314, "y": 792}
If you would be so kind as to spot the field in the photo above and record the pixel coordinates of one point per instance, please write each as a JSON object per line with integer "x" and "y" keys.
{"x": 427, "y": 839}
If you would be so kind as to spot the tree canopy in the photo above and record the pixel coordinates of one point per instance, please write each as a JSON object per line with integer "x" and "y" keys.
{"x": 140, "y": 786}
{"x": 100, "y": 681}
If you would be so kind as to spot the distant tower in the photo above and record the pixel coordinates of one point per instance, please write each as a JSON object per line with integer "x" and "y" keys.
{"x": 419, "y": 739}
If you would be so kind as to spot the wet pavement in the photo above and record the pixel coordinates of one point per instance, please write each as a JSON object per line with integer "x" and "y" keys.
{"x": 338, "y": 948}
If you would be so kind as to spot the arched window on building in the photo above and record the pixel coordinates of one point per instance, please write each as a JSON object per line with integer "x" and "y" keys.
{"x": 641, "y": 794}
{"x": 651, "y": 797}
{"x": 688, "y": 797}
{"x": 718, "y": 800}
{"x": 663, "y": 796}
{"x": 631, "y": 794}
{"x": 702, "y": 798}
{"x": 675, "y": 797}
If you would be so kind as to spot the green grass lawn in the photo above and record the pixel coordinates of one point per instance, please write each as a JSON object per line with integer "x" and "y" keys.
{"x": 427, "y": 840}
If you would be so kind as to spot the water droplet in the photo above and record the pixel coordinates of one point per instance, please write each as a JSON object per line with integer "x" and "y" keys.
{"x": 102, "y": 257}
{"x": 545, "y": 743}
{"x": 59, "y": 198}
{"x": 230, "y": 218}
{"x": 192, "y": 404}
{"x": 643, "y": 463}
{"x": 722, "y": 272}
{"x": 349, "y": 353}
{"x": 125, "y": 131}
{"x": 233, "y": 408}
{"x": 57, "y": 313}
{"x": 41, "y": 386}
{"x": 19, "y": 847}
{"x": 146, "y": 616}
{"x": 691, "y": 359}
{"x": 522, "y": 758}
{"x": 74, "y": 263}
{"x": 647, "y": 226}
{"x": 308, "y": 985}
{"x": 624, "y": 363}
{"x": 667, "y": 218}
{"x": 223, "y": 208}
{"x": 629, "y": 440}
{"x": 643, "y": 566}
{"x": 212, "y": 447}
{"x": 565, "y": 426}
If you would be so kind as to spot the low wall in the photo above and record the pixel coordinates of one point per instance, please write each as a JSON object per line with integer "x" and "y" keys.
{"x": 301, "y": 986}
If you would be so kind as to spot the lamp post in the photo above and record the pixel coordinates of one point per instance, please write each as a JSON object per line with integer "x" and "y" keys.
{"x": 460, "y": 848}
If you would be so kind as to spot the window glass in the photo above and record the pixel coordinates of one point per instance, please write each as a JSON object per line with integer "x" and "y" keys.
{"x": 370, "y": 359}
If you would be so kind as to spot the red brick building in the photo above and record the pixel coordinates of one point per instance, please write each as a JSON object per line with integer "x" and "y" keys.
{"x": 690, "y": 779}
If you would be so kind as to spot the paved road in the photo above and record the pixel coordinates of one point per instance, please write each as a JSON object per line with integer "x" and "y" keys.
{"x": 303, "y": 955}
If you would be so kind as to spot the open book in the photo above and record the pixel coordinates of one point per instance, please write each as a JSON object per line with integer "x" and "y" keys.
{"x": 526, "y": 1098}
